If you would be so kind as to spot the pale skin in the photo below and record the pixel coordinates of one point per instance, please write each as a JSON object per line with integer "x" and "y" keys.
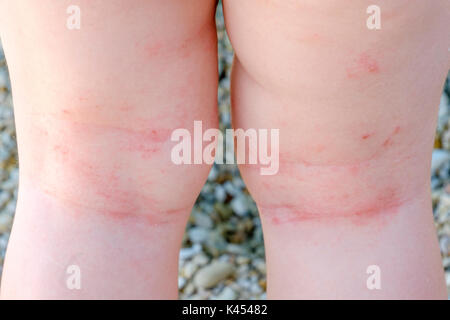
{"x": 356, "y": 109}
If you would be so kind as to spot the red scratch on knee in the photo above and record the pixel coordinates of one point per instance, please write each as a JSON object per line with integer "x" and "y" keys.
{"x": 390, "y": 140}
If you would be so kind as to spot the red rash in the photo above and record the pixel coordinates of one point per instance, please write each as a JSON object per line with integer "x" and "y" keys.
{"x": 369, "y": 64}
{"x": 112, "y": 198}
{"x": 145, "y": 141}
{"x": 385, "y": 203}
{"x": 364, "y": 64}
{"x": 389, "y": 141}
{"x": 107, "y": 189}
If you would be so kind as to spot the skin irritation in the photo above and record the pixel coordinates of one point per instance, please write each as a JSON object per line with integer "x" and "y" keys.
{"x": 108, "y": 189}
{"x": 364, "y": 64}
{"x": 390, "y": 140}
{"x": 385, "y": 203}
{"x": 113, "y": 199}
{"x": 379, "y": 148}
{"x": 366, "y": 136}
{"x": 147, "y": 136}
{"x": 145, "y": 142}
{"x": 375, "y": 204}
{"x": 152, "y": 49}
{"x": 117, "y": 132}
{"x": 114, "y": 204}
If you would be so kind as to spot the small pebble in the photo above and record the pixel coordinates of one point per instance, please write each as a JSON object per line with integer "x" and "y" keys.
{"x": 212, "y": 274}
{"x": 187, "y": 253}
{"x": 240, "y": 205}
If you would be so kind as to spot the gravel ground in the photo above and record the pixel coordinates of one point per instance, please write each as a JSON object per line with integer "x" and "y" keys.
{"x": 223, "y": 252}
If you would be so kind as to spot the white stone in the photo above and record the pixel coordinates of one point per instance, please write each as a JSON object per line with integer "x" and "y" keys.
{"x": 240, "y": 205}
{"x": 200, "y": 259}
{"x": 187, "y": 253}
{"x": 210, "y": 275}
{"x": 181, "y": 282}
{"x": 220, "y": 193}
{"x": 189, "y": 269}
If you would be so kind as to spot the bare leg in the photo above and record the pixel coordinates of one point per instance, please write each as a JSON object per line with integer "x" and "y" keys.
{"x": 95, "y": 109}
{"x": 356, "y": 110}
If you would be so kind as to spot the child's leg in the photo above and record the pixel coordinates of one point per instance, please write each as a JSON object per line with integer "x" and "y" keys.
{"x": 356, "y": 110}
{"x": 95, "y": 109}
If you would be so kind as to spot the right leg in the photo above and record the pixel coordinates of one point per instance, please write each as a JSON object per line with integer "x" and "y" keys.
{"x": 95, "y": 109}
{"x": 356, "y": 110}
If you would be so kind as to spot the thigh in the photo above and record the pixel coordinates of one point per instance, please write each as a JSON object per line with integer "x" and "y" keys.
{"x": 95, "y": 106}
{"x": 356, "y": 107}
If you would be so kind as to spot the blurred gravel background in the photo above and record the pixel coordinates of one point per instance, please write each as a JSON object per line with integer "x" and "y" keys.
{"x": 223, "y": 251}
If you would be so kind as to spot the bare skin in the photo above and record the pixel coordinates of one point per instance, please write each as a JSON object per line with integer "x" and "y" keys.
{"x": 95, "y": 109}
{"x": 356, "y": 109}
